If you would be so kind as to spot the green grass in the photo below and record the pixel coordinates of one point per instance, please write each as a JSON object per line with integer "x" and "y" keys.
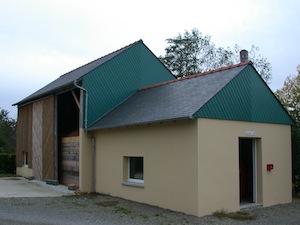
{"x": 239, "y": 215}
{"x": 107, "y": 203}
{"x": 158, "y": 214}
{"x": 120, "y": 209}
{"x": 145, "y": 217}
{"x": 72, "y": 196}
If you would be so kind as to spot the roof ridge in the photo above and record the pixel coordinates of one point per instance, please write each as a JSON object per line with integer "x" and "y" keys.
{"x": 120, "y": 49}
{"x": 197, "y": 75}
{"x": 75, "y": 74}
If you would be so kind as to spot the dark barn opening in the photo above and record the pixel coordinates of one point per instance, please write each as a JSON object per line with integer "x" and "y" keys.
{"x": 68, "y": 137}
{"x": 68, "y": 114}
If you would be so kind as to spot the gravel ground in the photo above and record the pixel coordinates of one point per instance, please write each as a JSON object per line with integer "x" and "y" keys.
{"x": 99, "y": 209}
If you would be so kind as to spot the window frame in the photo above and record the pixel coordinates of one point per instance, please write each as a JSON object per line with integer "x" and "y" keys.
{"x": 133, "y": 180}
{"x": 127, "y": 181}
{"x": 25, "y": 158}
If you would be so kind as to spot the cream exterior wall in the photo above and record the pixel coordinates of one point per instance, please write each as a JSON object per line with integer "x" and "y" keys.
{"x": 170, "y": 164}
{"x": 24, "y": 171}
{"x": 189, "y": 166}
{"x": 219, "y": 163}
{"x": 85, "y": 161}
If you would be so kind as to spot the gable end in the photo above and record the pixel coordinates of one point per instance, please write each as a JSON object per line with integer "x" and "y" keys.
{"x": 246, "y": 98}
{"x": 120, "y": 77}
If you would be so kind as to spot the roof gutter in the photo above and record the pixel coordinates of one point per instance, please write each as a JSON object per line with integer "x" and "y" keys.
{"x": 86, "y": 103}
{"x": 141, "y": 123}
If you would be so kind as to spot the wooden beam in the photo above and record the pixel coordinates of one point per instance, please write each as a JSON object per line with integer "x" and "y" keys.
{"x": 75, "y": 98}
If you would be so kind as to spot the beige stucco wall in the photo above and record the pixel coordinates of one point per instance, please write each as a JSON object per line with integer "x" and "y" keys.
{"x": 189, "y": 166}
{"x": 85, "y": 161}
{"x": 170, "y": 164}
{"x": 24, "y": 171}
{"x": 218, "y": 157}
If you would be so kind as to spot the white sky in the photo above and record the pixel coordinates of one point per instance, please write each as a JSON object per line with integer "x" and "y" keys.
{"x": 43, "y": 39}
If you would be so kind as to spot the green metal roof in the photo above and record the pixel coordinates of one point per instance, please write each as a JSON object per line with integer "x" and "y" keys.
{"x": 110, "y": 79}
{"x": 246, "y": 98}
{"x": 120, "y": 77}
{"x": 235, "y": 93}
{"x": 65, "y": 82}
{"x": 172, "y": 100}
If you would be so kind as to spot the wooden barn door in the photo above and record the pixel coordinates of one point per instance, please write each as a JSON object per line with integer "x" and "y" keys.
{"x": 43, "y": 139}
{"x": 48, "y": 138}
{"x": 24, "y": 135}
{"x": 37, "y": 144}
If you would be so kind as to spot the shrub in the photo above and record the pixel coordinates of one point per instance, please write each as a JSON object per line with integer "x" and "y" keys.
{"x": 297, "y": 185}
{"x": 7, "y": 163}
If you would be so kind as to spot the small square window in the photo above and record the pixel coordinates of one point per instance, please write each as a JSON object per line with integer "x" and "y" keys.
{"x": 133, "y": 171}
{"x": 25, "y": 158}
{"x": 136, "y": 169}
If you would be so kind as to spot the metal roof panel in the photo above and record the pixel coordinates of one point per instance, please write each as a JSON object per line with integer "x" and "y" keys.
{"x": 70, "y": 77}
{"x": 171, "y": 101}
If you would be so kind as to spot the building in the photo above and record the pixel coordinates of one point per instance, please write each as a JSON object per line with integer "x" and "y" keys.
{"x": 123, "y": 125}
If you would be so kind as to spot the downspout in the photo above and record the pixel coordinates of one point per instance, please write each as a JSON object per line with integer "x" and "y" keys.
{"x": 91, "y": 136}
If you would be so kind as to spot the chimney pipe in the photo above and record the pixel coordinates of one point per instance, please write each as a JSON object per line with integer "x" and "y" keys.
{"x": 244, "y": 56}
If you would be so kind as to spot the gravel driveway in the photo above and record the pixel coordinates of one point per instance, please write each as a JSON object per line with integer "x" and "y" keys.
{"x": 99, "y": 209}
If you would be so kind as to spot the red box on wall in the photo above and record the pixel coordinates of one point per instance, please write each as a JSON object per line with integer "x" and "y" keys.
{"x": 270, "y": 167}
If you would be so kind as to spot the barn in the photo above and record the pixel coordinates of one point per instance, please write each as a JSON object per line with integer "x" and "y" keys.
{"x": 50, "y": 120}
{"x": 123, "y": 125}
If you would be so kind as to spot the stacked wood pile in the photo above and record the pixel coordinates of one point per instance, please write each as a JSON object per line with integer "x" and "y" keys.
{"x": 69, "y": 160}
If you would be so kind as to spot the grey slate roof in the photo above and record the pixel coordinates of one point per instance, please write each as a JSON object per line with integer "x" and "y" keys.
{"x": 66, "y": 80}
{"x": 170, "y": 101}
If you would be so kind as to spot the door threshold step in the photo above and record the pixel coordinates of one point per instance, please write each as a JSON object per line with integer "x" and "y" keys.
{"x": 248, "y": 206}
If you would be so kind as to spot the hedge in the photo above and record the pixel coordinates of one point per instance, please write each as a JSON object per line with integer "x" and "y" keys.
{"x": 7, "y": 163}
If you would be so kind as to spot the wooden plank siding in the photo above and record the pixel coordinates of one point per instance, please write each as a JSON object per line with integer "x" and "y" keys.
{"x": 37, "y": 144}
{"x": 24, "y": 135}
{"x": 36, "y": 135}
{"x": 70, "y": 160}
{"x": 48, "y": 138}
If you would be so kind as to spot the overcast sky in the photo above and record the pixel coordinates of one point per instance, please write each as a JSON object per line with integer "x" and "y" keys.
{"x": 41, "y": 40}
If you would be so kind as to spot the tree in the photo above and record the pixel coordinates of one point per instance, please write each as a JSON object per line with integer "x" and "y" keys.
{"x": 189, "y": 53}
{"x": 192, "y": 53}
{"x": 261, "y": 64}
{"x": 289, "y": 96}
{"x": 7, "y": 132}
